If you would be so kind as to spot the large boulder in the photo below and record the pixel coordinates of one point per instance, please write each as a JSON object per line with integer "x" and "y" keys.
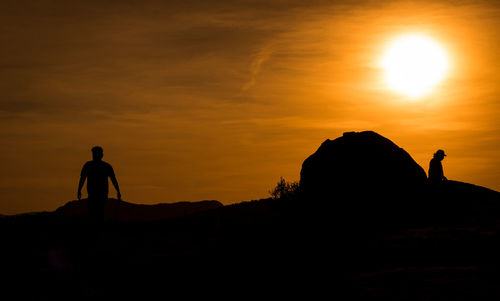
{"x": 359, "y": 162}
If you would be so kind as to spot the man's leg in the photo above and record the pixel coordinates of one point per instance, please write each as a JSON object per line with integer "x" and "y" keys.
{"x": 97, "y": 204}
{"x": 96, "y": 217}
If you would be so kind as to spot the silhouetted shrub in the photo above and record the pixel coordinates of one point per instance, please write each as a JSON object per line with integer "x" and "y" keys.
{"x": 284, "y": 189}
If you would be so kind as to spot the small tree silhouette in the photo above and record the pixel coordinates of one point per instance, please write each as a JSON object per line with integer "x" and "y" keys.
{"x": 284, "y": 189}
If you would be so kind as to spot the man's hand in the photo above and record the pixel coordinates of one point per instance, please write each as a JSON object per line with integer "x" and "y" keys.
{"x": 119, "y": 196}
{"x": 79, "y": 195}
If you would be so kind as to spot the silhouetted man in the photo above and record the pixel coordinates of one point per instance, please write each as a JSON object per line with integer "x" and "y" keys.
{"x": 97, "y": 172}
{"x": 436, "y": 174}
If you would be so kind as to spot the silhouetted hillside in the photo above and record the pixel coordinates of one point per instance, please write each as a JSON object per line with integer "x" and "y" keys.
{"x": 364, "y": 225}
{"x": 124, "y": 211}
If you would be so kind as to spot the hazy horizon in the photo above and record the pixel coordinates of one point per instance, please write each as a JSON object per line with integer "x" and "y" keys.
{"x": 197, "y": 101}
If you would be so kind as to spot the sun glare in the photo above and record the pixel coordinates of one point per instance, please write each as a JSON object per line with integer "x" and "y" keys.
{"x": 414, "y": 65}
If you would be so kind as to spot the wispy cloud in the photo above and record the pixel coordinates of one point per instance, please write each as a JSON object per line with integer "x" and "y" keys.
{"x": 260, "y": 58}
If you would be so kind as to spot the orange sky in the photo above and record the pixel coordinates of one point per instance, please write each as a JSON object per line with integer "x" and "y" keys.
{"x": 193, "y": 100}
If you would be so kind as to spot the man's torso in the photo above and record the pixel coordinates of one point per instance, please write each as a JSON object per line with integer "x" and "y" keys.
{"x": 97, "y": 173}
{"x": 435, "y": 170}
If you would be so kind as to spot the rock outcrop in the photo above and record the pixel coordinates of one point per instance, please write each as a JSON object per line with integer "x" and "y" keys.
{"x": 359, "y": 162}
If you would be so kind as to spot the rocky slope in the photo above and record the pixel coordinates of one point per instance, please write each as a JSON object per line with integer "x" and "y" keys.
{"x": 125, "y": 211}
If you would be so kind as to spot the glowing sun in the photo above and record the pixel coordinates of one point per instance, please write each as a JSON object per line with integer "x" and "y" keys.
{"x": 414, "y": 65}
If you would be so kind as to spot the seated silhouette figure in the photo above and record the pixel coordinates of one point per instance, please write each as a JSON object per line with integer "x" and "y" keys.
{"x": 436, "y": 174}
{"x": 97, "y": 173}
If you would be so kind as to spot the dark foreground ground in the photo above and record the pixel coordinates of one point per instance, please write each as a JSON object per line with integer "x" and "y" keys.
{"x": 431, "y": 244}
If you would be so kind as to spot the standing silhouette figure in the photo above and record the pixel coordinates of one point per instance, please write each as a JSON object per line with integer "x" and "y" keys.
{"x": 436, "y": 174}
{"x": 97, "y": 173}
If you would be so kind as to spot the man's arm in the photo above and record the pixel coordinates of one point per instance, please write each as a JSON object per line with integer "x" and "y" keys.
{"x": 80, "y": 185}
{"x": 112, "y": 177}
{"x": 83, "y": 176}
{"x": 115, "y": 183}
{"x": 442, "y": 172}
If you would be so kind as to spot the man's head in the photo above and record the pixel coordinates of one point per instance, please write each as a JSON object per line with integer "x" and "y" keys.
{"x": 440, "y": 154}
{"x": 97, "y": 153}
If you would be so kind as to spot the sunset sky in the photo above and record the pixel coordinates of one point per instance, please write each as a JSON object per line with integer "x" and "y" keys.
{"x": 196, "y": 100}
